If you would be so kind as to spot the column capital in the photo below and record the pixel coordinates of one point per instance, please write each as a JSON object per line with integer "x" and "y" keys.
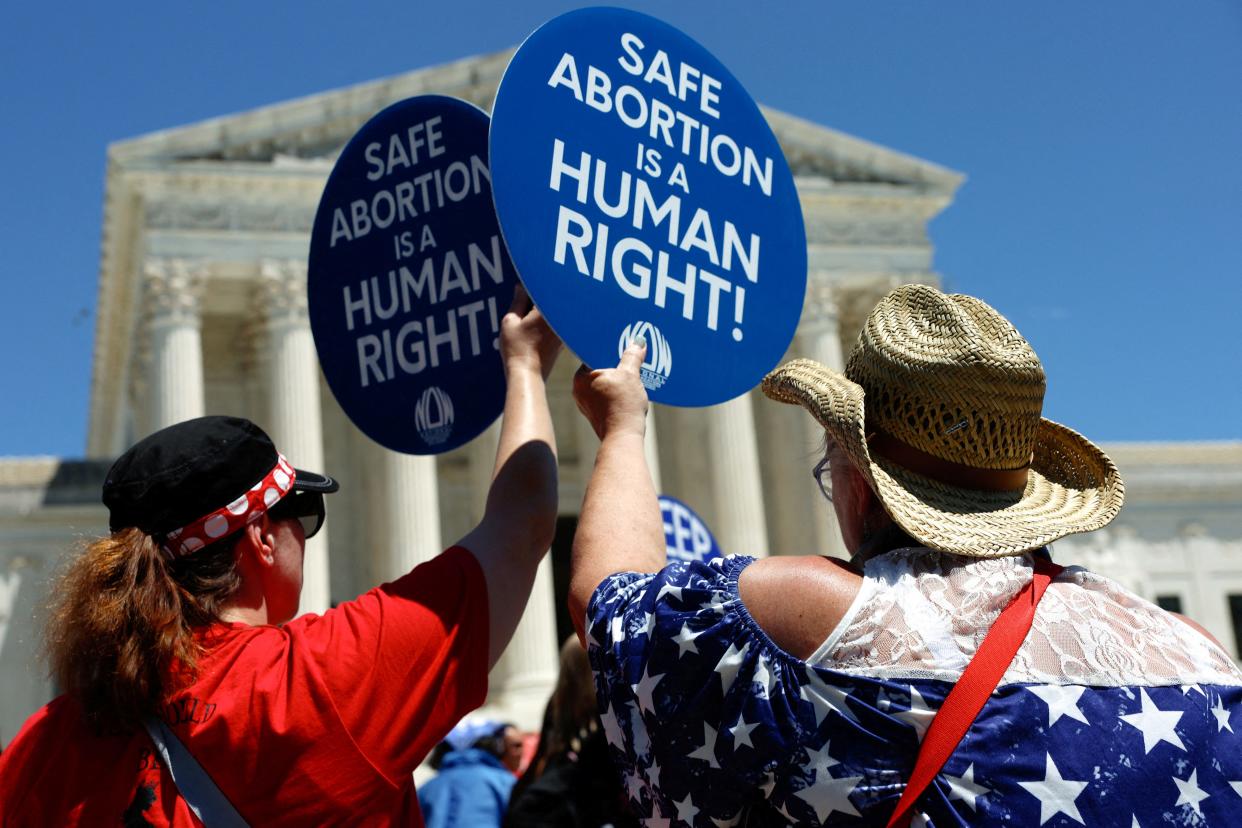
{"x": 173, "y": 291}
{"x": 283, "y": 286}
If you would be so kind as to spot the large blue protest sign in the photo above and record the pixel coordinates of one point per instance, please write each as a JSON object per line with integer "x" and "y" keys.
{"x": 409, "y": 277}
{"x": 686, "y": 536}
{"x": 641, "y": 192}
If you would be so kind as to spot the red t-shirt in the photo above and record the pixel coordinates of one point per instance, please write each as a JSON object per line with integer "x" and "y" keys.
{"x": 319, "y": 721}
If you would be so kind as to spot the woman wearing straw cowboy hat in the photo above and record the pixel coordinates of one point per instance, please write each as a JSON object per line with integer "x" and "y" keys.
{"x": 192, "y": 694}
{"x": 950, "y": 674}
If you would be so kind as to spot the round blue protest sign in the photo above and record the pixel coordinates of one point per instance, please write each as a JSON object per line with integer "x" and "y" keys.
{"x": 409, "y": 277}
{"x": 641, "y": 192}
{"x": 686, "y": 536}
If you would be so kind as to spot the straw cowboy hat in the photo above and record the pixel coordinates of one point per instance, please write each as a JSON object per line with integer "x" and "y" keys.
{"x": 939, "y": 408}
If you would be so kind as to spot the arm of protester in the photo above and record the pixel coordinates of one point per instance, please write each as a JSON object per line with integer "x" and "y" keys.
{"x": 620, "y": 528}
{"x": 520, "y": 517}
{"x": 798, "y": 600}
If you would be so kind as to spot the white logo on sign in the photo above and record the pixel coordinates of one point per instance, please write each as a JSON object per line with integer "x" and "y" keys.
{"x": 433, "y": 416}
{"x": 659, "y": 365}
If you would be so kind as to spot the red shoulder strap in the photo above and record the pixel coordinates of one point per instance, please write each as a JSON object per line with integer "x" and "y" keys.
{"x": 971, "y": 692}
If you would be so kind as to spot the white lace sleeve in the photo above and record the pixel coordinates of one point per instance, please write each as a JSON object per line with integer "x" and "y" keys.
{"x": 923, "y": 614}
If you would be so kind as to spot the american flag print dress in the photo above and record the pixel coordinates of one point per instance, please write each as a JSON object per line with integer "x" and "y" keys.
{"x": 1114, "y": 713}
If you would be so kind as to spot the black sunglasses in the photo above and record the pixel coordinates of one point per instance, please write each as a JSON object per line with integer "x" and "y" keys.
{"x": 305, "y": 507}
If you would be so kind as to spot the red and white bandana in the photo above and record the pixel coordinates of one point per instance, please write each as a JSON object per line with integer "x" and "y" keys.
{"x": 228, "y": 519}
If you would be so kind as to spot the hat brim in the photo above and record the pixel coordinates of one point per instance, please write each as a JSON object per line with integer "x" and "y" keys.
{"x": 1072, "y": 487}
{"x": 306, "y": 481}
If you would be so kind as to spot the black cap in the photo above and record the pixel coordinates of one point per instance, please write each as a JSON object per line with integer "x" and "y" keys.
{"x": 181, "y": 473}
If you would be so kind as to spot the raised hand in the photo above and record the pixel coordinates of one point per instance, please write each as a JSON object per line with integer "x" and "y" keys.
{"x": 526, "y": 339}
{"x": 613, "y": 399}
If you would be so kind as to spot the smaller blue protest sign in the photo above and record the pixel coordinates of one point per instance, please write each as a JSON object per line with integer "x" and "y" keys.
{"x": 408, "y": 278}
{"x": 641, "y": 191}
{"x": 686, "y": 536}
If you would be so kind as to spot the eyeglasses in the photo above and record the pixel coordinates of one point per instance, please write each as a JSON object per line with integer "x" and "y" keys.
{"x": 823, "y": 478}
{"x": 305, "y": 507}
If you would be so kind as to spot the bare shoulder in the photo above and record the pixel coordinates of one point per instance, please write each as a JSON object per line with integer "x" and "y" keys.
{"x": 799, "y": 600}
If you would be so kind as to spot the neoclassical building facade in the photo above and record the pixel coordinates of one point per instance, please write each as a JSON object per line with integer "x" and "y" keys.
{"x": 202, "y": 310}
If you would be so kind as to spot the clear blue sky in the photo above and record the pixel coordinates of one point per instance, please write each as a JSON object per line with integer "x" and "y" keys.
{"x": 1102, "y": 144}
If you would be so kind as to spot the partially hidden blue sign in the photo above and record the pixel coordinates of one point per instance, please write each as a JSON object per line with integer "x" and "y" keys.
{"x": 409, "y": 277}
{"x": 686, "y": 536}
{"x": 641, "y": 191}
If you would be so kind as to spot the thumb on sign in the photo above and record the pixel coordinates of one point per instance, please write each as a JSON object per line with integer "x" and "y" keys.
{"x": 613, "y": 399}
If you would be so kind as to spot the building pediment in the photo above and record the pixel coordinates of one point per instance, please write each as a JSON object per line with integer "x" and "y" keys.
{"x": 306, "y": 134}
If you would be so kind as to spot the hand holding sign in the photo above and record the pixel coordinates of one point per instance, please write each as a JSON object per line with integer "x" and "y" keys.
{"x": 613, "y": 399}
{"x": 408, "y": 278}
{"x": 525, "y": 337}
{"x": 642, "y": 193}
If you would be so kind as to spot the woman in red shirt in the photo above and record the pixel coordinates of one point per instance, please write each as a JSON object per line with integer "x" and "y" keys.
{"x": 180, "y": 625}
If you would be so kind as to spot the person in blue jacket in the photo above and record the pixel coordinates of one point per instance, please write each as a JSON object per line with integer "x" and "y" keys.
{"x": 473, "y": 784}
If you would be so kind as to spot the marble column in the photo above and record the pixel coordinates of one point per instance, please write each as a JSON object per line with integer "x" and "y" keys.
{"x": 525, "y": 675}
{"x": 820, "y": 338}
{"x": 409, "y": 528}
{"x": 293, "y": 390}
{"x": 737, "y": 491}
{"x": 172, "y": 294}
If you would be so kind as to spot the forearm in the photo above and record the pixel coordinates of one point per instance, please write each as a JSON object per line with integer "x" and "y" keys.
{"x": 620, "y": 528}
{"x": 524, "y": 475}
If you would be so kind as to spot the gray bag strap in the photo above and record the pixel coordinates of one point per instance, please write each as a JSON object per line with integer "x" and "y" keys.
{"x": 207, "y": 802}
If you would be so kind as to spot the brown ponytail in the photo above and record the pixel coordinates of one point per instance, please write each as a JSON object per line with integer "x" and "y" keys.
{"x": 121, "y": 619}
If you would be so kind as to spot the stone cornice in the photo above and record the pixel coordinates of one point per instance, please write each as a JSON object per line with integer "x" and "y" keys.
{"x": 224, "y": 213}
{"x": 814, "y": 149}
{"x": 317, "y": 122}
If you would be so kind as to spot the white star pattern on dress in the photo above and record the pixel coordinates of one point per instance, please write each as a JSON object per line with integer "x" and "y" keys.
{"x": 1237, "y": 787}
{"x": 1055, "y": 795}
{"x": 1188, "y": 687}
{"x": 1155, "y": 724}
{"x": 648, "y": 623}
{"x": 741, "y": 732}
{"x": 714, "y": 604}
{"x": 617, "y": 631}
{"x": 612, "y": 729}
{"x": 965, "y": 787}
{"x": 730, "y": 663}
{"x": 653, "y": 774}
{"x": 668, "y": 589}
{"x": 1189, "y": 792}
{"x": 645, "y": 690}
{"x": 764, "y": 678}
{"x": 708, "y": 751}
{"x": 784, "y": 811}
{"x": 686, "y": 812}
{"x": 827, "y": 794}
{"x": 820, "y": 760}
{"x": 634, "y": 787}
{"x": 825, "y": 698}
{"x": 1222, "y": 717}
{"x": 1062, "y": 700}
{"x": 685, "y": 641}
{"x": 919, "y": 716}
{"x": 642, "y": 740}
